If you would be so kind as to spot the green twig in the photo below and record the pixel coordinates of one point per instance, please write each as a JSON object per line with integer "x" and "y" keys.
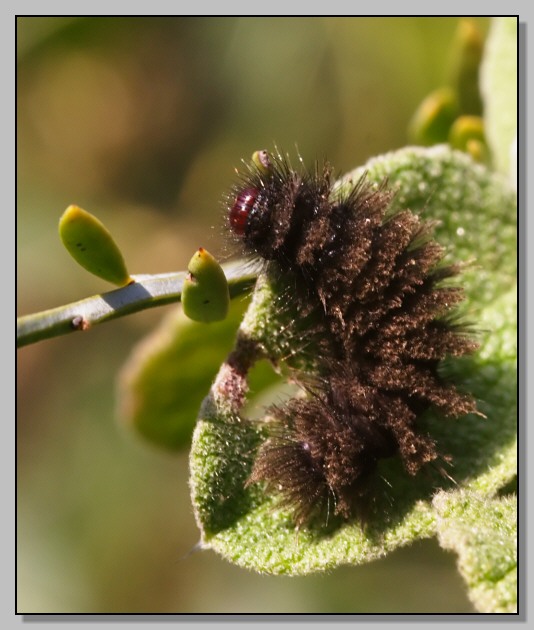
{"x": 146, "y": 292}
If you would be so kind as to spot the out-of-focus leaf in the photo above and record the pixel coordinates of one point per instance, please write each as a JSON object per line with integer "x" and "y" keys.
{"x": 165, "y": 379}
{"x": 434, "y": 117}
{"x": 498, "y": 84}
{"x": 467, "y": 52}
{"x": 467, "y": 134}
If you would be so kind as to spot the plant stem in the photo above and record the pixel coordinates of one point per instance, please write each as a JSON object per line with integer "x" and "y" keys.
{"x": 148, "y": 291}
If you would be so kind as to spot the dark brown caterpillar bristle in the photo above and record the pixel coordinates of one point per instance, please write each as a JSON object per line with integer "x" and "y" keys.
{"x": 382, "y": 323}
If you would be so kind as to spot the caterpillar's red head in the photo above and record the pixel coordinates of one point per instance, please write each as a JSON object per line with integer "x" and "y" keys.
{"x": 246, "y": 198}
{"x": 241, "y": 210}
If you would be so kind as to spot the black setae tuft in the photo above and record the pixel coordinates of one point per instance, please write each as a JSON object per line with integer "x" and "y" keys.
{"x": 382, "y": 320}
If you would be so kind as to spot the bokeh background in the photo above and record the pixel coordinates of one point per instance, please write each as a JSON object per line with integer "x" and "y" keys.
{"x": 143, "y": 121}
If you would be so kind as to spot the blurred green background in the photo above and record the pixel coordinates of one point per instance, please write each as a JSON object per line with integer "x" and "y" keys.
{"x": 142, "y": 121}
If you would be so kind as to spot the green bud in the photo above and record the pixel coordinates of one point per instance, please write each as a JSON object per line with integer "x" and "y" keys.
{"x": 467, "y": 50}
{"x": 434, "y": 117}
{"x": 91, "y": 245}
{"x": 467, "y": 134}
{"x": 205, "y": 295}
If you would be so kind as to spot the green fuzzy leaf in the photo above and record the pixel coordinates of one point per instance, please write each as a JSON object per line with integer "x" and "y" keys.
{"x": 499, "y": 93}
{"x": 482, "y": 531}
{"x": 475, "y": 207}
{"x": 477, "y": 215}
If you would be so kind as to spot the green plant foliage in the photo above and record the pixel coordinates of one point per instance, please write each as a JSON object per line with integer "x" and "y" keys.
{"x": 482, "y": 531}
{"x": 91, "y": 245}
{"x": 434, "y": 117}
{"x": 467, "y": 134}
{"x": 467, "y": 52}
{"x": 498, "y": 82}
{"x": 165, "y": 379}
{"x": 477, "y": 213}
{"x": 205, "y": 296}
{"x": 160, "y": 163}
{"x": 475, "y": 208}
{"x": 476, "y": 110}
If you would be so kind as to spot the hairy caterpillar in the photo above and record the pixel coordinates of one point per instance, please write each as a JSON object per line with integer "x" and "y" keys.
{"x": 369, "y": 282}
